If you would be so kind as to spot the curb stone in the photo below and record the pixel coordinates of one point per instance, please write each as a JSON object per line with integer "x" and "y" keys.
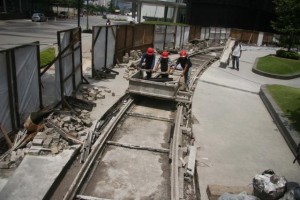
{"x": 291, "y": 136}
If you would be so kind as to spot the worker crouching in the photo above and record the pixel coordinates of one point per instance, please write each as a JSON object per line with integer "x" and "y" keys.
{"x": 163, "y": 63}
{"x": 148, "y": 61}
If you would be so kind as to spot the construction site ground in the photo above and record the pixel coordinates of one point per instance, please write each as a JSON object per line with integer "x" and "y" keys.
{"x": 234, "y": 132}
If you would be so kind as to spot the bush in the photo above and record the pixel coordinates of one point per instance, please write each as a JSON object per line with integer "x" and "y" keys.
{"x": 287, "y": 54}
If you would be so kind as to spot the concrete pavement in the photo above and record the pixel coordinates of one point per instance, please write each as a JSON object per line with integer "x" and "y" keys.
{"x": 235, "y": 134}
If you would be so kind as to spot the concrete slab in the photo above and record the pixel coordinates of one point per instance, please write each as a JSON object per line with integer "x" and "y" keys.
{"x": 121, "y": 179}
{"x": 35, "y": 176}
{"x": 234, "y": 131}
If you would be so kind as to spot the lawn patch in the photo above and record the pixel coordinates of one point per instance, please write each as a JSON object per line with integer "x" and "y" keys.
{"x": 46, "y": 56}
{"x": 288, "y": 99}
{"x": 279, "y": 66}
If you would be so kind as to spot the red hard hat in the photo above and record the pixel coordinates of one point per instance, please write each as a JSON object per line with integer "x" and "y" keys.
{"x": 183, "y": 53}
{"x": 164, "y": 54}
{"x": 150, "y": 51}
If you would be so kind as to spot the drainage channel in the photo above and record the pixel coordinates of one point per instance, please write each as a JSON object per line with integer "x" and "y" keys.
{"x": 144, "y": 150}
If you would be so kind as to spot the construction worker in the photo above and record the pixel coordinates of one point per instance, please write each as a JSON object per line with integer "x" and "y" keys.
{"x": 164, "y": 63}
{"x": 184, "y": 63}
{"x": 148, "y": 61}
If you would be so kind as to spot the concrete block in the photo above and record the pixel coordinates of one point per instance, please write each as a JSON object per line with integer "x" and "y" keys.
{"x": 13, "y": 156}
{"x": 47, "y": 142}
{"x": 67, "y": 119}
{"x": 4, "y": 164}
{"x": 87, "y": 122}
{"x": 37, "y": 142}
{"x": 215, "y": 191}
{"x": 34, "y": 152}
{"x": 100, "y": 96}
{"x": 191, "y": 162}
{"x": 107, "y": 90}
{"x": 54, "y": 150}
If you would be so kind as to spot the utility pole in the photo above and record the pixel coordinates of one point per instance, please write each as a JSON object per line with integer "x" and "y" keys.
{"x": 78, "y": 12}
{"x": 87, "y": 15}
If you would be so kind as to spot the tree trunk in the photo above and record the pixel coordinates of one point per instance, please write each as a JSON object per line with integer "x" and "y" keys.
{"x": 4, "y": 6}
{"x": 20, "y": 6}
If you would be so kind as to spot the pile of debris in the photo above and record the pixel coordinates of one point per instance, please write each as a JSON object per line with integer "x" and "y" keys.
{"x": 92, "y": 94}
{"x": 131, "y": 62}
{"x": 60, "y": 130}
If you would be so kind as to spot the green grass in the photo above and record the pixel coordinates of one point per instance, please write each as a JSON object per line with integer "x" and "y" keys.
{"x": 288, "y": 99}
{"x": 46, "y": 56}
{"x": 278, "y": 66}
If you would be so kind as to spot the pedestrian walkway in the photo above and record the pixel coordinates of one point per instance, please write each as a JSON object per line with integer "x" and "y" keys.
{"x": 235, "y": 134}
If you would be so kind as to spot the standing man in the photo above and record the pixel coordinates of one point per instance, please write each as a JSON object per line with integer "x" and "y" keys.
{"x": 186, "y": 65}
{"x": 164, "y": 64}
{"x": 236, "y": 54}
{"x": 148, "y": 61}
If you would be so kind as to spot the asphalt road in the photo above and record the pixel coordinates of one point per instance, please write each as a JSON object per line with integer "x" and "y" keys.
{"x": 19, "y": 32}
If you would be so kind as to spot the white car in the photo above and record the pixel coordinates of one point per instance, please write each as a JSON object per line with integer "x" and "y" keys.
{"x": 38, "y": 17}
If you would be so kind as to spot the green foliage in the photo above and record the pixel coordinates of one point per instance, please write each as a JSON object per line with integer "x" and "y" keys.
{"x": 288, "y": 20}
{"x": 287, "y": 54}
{"x": 288, "y": 99}
{"x": 46, "y": 56}
{"x": 278, "y": 66}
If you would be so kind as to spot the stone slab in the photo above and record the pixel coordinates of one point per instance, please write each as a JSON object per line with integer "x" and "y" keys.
{"x": 215, "y": 191}
{"x": 35, "y": 176}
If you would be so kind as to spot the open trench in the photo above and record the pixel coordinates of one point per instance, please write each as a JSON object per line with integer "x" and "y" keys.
{"x": 143, "y": 150}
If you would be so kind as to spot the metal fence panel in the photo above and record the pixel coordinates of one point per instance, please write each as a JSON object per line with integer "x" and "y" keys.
{"x": 27, "y": 80}
{"x": 5, "y": 114}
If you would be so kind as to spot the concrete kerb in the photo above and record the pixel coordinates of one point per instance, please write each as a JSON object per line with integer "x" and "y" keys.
{"x": 291, "y": 136}
{"x": 262, "y": 73}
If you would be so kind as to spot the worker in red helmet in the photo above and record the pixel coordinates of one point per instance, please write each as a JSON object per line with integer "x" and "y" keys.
{"x": 147, "y": 61}
{"x": 163, "y": 63}
{"x": 184, "y": 63}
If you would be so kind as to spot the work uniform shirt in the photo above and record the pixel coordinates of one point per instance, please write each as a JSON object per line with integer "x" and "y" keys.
{"x": 236, "y": 51}
{"x": 164, "y": 63}
{"x": 183, "y": 62}
{"x": 149, "y": 61}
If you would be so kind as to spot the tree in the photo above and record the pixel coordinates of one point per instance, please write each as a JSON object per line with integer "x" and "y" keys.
{"x": 288, "y": 20}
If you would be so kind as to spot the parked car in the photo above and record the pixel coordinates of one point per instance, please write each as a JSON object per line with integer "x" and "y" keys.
{"x": 38, "y": 17}
{"x": 63, "y": 14}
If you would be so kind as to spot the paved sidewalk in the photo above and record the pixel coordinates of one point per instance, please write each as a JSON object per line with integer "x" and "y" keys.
{"x": 234, "y": 131}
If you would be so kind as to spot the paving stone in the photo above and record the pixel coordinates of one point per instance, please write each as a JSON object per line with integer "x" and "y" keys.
{"x": 34, "y": 152}
{"x": 80, "y": 128}
{"x": 66, "y": 119}
{"x": 87, "y": 122}
{"x": 37, "y": 142}
{"x": 47, "y": 142}
{"x": 55, "y": 137}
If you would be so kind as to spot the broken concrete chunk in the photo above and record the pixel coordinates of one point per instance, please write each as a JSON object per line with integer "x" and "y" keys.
{"x": 87, "y": 122}
{"x": 107, "y": 90}
{"x": 80, "y": 128}
{"x": 47, "y": 142}
{"x": 37, "y": 142}
{"x": 66, "y": 119}
{"x": 100, "y": 96}
{"x": 5, "y": 164}
{"x": 54, "y": 150}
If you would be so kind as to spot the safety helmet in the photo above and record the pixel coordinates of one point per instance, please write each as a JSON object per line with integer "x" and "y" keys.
{"x": 164, "y": 54}
{"x": 183, "y": 53}
{"x": 150, "y": 51}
